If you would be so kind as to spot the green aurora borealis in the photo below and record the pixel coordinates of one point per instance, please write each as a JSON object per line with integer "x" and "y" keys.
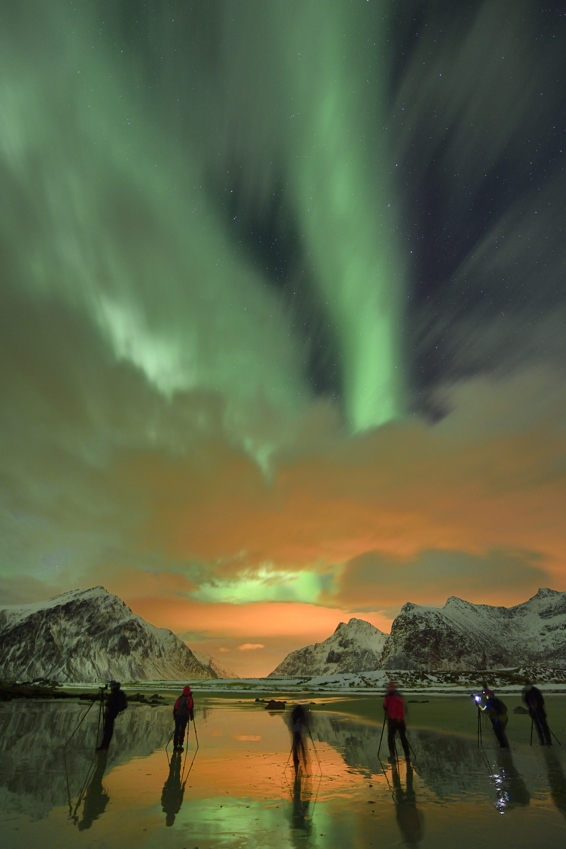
{"x": 282, "y": 307}
{"x": 178, "y": 303}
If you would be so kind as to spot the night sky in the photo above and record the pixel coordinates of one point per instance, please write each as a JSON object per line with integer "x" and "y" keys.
{"x": 282, "y": 309}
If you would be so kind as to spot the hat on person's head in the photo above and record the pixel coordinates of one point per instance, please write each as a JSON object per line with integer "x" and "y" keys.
{"x": 186, "y": 690}
{"x": 392, "y": 685}
{"x": 114, "y": 683}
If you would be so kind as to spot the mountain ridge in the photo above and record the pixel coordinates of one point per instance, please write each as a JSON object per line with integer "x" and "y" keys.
{"x": 458, "y": 636}
{"x": 211, "y": 663}
{"x": 357, "y": 642}
{"x": 90, "y": 636}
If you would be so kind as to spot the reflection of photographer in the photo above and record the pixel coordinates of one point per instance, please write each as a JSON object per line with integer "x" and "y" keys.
{"x": 115, "y": 704}
{"x": 510, "y": 788}
{"x": 302, "y": 795}
{"x": 96, "y": 798}
{"x": 395, "y": 709}
{"x": 173, "y": 790}
{"x": 409, "y": 819}
{"x": 497, "y": 712}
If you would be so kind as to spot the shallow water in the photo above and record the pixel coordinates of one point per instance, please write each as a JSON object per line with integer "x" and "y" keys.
{"x": 239, "y": 789}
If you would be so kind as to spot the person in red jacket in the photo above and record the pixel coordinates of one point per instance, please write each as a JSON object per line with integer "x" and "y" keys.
{"x": 394, "y": 707}
{"x": 182, "y": 712}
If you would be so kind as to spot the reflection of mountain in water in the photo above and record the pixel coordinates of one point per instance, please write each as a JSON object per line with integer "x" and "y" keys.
{"x": 450, "y": 766}
{"x": 32, "y": 765}
{"x": 356, "y": 741}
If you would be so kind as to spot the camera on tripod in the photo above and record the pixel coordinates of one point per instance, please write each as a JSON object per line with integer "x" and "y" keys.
{"x": 477, "y": 697}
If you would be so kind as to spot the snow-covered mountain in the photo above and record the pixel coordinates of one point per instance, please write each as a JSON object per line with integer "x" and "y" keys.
{"x": 90, "y": 635}
{"x": 218, "y": 669}
{"x": 352, "y": 647}
{"x": 462, "y": 635}
{"x": 459, "y": 636}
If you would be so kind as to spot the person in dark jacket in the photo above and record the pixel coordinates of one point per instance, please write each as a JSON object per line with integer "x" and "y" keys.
{"x": 183, "y": 710}
{"x": 115, "y": 704}
{"x": 534, "y": 700}
{"x": 394, "y": 707}
{"x": 497, "y": 713}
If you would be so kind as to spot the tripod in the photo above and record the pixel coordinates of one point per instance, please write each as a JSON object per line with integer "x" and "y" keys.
{"x": 549, "y": 728}
{"x": 479, "y": 730}
{"x": 381, "y": 738}
{"x": 100, "y": 713}
{"x": 292, "y": 752}
{"x": 184, "y": 773}
{"x": 394, "y": 743}
{"x": 100, "y": 697}
{"x": 314, "y": 747}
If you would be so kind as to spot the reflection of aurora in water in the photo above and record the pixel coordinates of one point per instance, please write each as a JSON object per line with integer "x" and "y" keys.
{"x": 239, "y": 793}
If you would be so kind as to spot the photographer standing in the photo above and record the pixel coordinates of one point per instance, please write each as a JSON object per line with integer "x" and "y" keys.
{"x": 394, "y": 707}
{"x": 183, "y": 710}
{"x": 534, "y": 700}
{"x": 116, "y": 703}
{"x": 497, "y": 713}
{"x": 298, "y": 723}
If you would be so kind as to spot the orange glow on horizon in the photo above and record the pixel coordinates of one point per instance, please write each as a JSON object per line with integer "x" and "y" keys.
{"x": 281, "y": 627}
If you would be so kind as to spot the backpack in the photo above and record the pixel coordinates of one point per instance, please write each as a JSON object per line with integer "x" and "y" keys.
{"x": 394, "y": 706}
{"x": 122, "y": 701}
{"x": 184, "y": 707}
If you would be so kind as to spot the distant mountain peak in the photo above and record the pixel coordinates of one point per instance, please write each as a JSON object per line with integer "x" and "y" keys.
{"x": 352, "y": 624}
{"x": 354, "y": 645}
{"x": 90, "y": 635}
{"x": 466, "y": 636}
{"x": 454, "y": 601}
{"x": 81, "y": 591}
{"x": 459, "y": 636}
{"x": 546, "y": 592}
{"x": 219, "y": 670}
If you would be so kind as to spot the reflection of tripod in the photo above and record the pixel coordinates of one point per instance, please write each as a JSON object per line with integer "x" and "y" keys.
{"x": 100, "y": 700}
{"x": 409, "y": 819}
{"x": 91, "y": 792}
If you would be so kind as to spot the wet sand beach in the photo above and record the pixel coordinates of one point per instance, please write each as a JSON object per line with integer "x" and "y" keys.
{"x": 239, "y": 788}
